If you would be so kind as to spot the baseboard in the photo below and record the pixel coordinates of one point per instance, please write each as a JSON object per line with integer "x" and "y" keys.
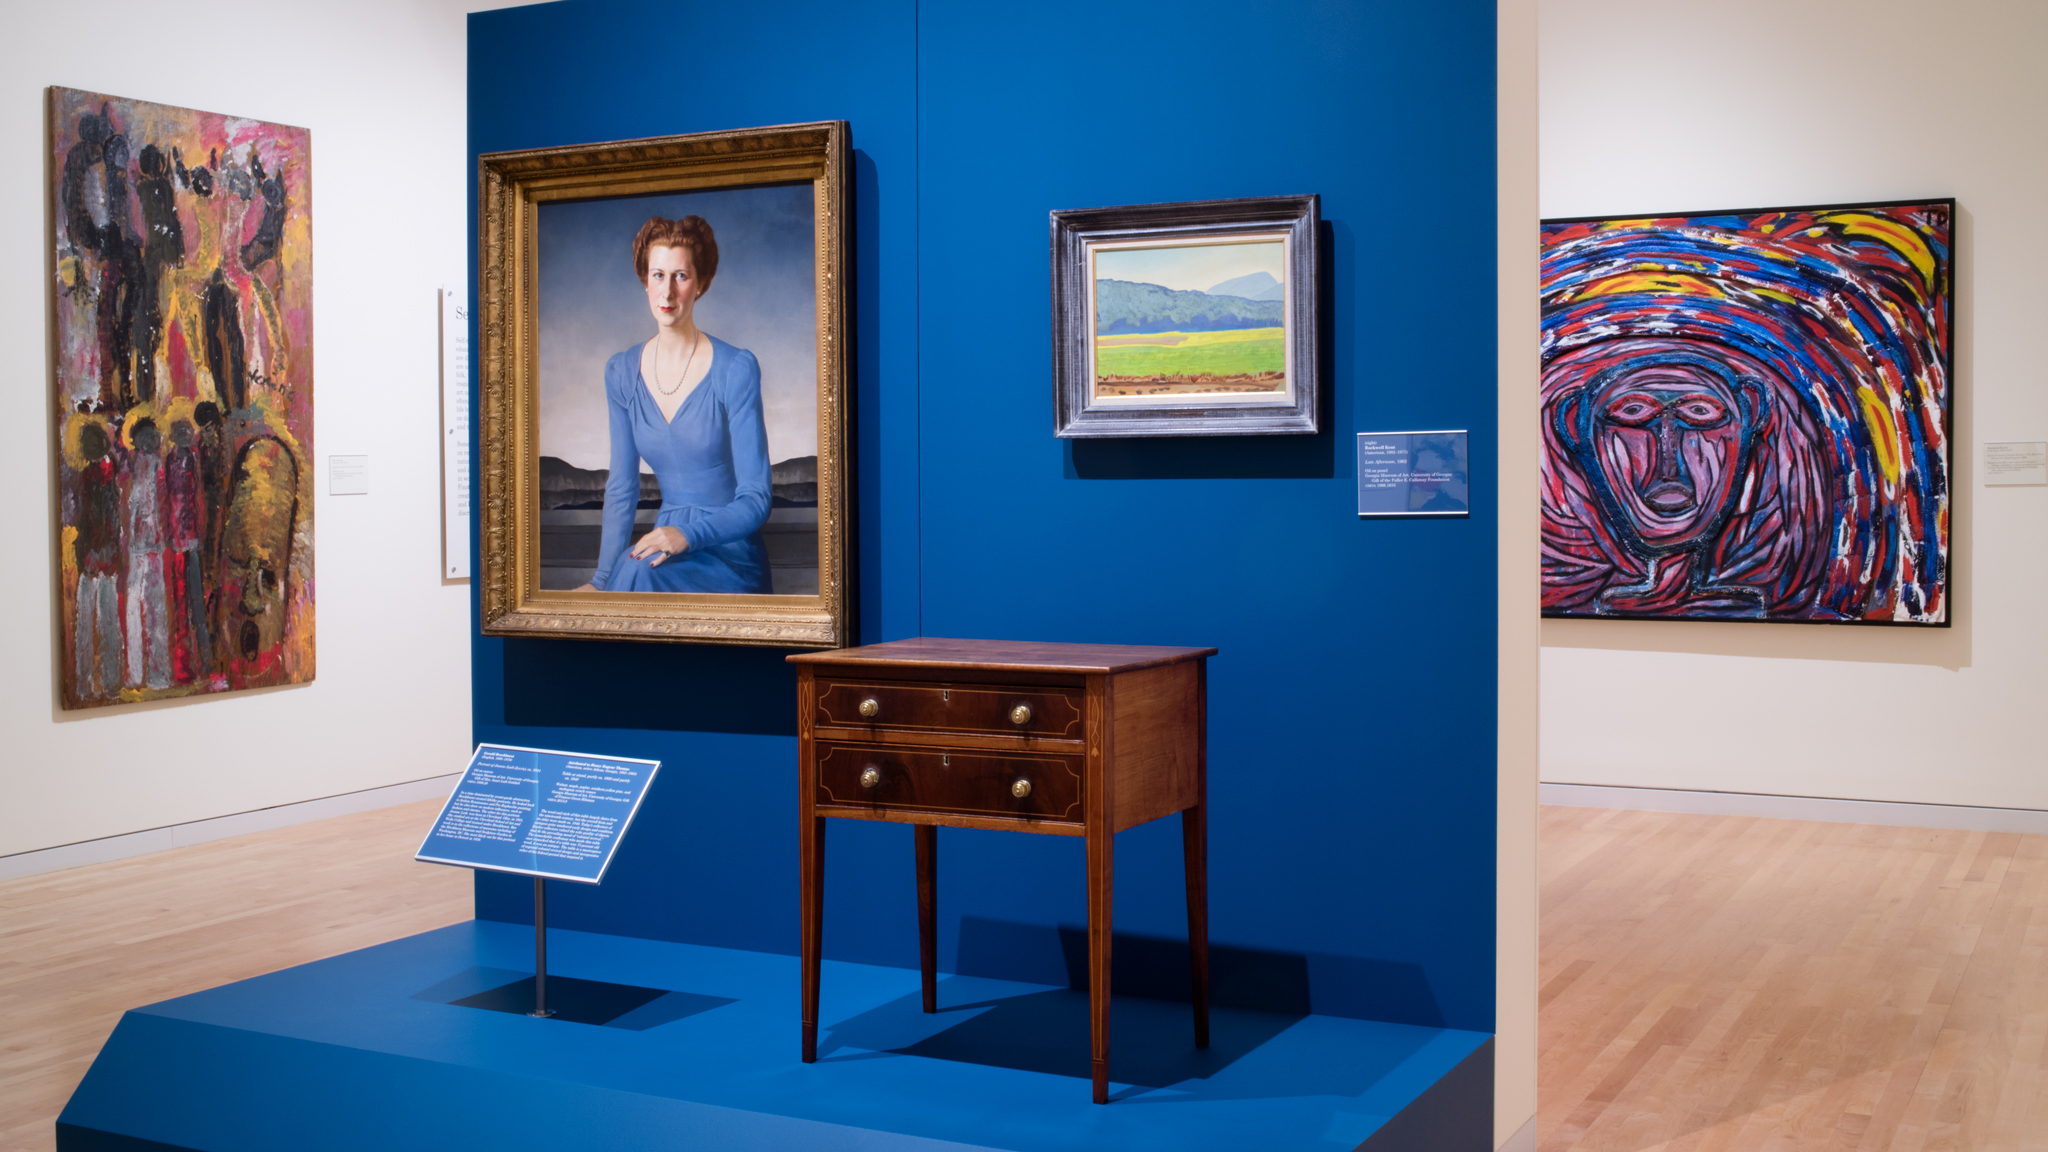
{"x": 200, "y": 831}
{"x": 1892, "y": 813}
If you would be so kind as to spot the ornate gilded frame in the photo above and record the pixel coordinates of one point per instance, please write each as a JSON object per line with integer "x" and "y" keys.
{"x": 511, "y": 185}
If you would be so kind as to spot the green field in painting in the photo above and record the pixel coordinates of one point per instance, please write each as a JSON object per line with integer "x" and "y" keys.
{"x": 1178, "y": 354}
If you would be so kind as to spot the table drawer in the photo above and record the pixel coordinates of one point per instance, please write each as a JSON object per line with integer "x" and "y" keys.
{"x": 978, "y": 708}
{"x": 938, "y": 780}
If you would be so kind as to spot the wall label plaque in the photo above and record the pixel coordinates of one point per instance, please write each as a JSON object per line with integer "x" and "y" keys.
{"x": 535, "y": 812}
{"x": 1414, "y": 474}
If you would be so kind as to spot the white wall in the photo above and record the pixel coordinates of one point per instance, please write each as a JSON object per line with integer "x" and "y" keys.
{"x": 1659, "y": 106}
{"x": 381, "y": 85}
{"x": 1514, "y": 1052}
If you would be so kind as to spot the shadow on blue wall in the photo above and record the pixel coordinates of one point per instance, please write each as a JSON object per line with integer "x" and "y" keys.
{"x": 659, "y": 687}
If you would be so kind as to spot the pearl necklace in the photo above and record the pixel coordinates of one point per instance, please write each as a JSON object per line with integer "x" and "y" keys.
{"x": 687, "y": 361}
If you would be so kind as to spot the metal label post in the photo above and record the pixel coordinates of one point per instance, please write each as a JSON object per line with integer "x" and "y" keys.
{"x": 540, "y": 949}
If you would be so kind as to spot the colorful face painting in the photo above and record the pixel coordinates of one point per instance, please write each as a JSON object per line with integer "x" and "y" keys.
{"x": 1746, "y": 415}
{"x": 184, "y": 304}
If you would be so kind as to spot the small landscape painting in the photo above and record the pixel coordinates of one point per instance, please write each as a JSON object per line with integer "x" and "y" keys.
{"x": 1180, "y": 320}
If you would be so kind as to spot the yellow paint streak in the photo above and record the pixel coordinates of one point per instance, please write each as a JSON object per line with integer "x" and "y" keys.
{"x": 1884, "y": 434}
{"x": 1659, "y": 283}
{"x": 1774, "y": 294}
{"x": 1902, "y": 239}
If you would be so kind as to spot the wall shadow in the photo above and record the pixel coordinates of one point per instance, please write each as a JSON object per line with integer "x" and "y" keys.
{"x": 659, "y": 687}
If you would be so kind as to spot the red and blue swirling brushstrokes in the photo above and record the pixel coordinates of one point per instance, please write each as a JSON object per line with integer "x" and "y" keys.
{"x": 1746, "y": 415}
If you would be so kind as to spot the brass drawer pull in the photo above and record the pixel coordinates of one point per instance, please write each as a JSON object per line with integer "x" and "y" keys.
{"x": 1021, "y": 788}
{"x": 1020, "y": 715}
{"x": 870, "y": 707}
{"x": 870, "y": 776}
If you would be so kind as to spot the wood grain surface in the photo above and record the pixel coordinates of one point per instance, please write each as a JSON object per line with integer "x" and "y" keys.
{"x": 1723, "y": 984}
{"x": 937, "y": 653}
{"x": 81, "y": 946}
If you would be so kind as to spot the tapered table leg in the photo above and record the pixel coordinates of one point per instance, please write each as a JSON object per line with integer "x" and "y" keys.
{"x": 1194, "y": 838}
{"x": 813, "y": 927}
{"x": 1100, "y": 850}
{"x": 928, "y": 911}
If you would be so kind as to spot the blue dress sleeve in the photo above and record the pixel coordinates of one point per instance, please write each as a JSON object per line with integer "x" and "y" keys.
{"x": 747, "y": 434}
{"x": 622, "y": 486}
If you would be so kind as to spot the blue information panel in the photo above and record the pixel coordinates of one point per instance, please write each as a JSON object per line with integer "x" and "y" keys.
{"x": 1413, "y": 474}
{"x": 559, "y": 815}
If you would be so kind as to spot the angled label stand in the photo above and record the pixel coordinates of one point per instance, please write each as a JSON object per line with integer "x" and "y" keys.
{"x": 536, "y": 812}
{"x": 540, "y": 813}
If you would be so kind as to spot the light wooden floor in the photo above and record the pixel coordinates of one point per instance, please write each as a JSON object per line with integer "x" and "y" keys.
{"x": 1716, "y": 983}
{"x": 78, "y": 947}
{"x": 1710, "y": 983}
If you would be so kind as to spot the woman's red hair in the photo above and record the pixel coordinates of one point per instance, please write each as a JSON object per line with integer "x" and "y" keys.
{"x": 691, "y": 233}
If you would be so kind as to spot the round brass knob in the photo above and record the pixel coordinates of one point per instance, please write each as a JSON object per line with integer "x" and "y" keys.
{"x": 870, "y": 776}
{"x": 1021, "y": 788}
{"x": 870, "y": 706}
{"x": 1021, "y": 714}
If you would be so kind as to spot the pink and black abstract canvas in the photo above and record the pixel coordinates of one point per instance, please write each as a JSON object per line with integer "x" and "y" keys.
{"x": 1746, "y": 415}
{"x": 184, "y": 377}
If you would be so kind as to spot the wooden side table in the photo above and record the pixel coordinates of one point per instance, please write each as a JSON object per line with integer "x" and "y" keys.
{"x": 1064, "y": 739}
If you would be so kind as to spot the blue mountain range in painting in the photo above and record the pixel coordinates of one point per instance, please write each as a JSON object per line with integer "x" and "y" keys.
{"x": 1125, "y": 306}
{"x": 1257, "y": 286}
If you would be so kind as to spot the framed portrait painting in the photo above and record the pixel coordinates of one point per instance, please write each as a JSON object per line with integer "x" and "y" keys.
{"x": 663, "y": 389}
{"x": 1193, "y": 319}
{"x": 1747, "y": 414}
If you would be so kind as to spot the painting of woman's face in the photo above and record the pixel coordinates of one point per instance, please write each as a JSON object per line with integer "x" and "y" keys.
{"x": 671, "y": 285}
{"x": 765, "y": 302}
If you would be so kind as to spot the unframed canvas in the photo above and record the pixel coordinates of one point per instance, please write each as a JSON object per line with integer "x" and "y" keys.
{"x": 184, "y": 381}
{"x": 1746, "y": 414}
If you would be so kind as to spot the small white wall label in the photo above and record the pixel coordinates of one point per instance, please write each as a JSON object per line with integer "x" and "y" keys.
{"x": 348, "y": 475}
{"x": 2016, "y": 462}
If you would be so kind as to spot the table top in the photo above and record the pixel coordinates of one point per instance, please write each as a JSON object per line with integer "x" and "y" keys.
{"x": 1000, "y": 655}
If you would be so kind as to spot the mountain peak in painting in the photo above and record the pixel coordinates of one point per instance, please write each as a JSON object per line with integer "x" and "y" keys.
{"x": 1257, "y": 286}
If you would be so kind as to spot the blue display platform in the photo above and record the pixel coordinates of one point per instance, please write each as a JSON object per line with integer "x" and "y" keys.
{"x": 369, "y": 1050}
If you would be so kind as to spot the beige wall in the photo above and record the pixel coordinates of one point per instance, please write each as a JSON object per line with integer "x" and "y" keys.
{"x": 1514, "y": 1083}
{"x": 381, "y": 85}
{"x": 1667, "y": 107}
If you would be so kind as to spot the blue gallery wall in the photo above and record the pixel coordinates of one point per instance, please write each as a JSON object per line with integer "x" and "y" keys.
{"x": 1352, "y": 725}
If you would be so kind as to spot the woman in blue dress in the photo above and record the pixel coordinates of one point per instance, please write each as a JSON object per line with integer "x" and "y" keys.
{"x": 689, "y": 404}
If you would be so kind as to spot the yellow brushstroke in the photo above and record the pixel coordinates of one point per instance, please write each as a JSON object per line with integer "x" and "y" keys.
{"x": 1884, "y": 435}
{"x": 1902, "y": 239}
{"x": 68, "y": 555}
{"x": 1774, "y": 294}
{"x": 1661, "y": 283}
{"x": 137, "y": 414}
{"x": 74, "y": 432}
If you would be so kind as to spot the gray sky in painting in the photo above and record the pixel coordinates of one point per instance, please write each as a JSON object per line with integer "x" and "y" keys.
{"x": 1189, "y": 268}
{"x": 764, "y": 299}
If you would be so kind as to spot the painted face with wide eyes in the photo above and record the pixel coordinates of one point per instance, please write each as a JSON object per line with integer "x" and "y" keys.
{"x": 1669, "y": 441}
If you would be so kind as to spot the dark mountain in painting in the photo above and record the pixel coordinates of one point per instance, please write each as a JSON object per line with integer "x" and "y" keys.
{"x": 1124, "y": 306}
{"x": 563, "y": 485}
{"x": 1257, "y": 286}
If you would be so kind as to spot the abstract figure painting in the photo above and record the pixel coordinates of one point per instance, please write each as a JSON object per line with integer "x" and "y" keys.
{"x": 1746, "y": 415}
{"x": 184, "y": 376}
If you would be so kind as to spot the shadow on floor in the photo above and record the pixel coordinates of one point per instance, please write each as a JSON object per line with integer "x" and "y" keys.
{"x": 1034, "y": 1029}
